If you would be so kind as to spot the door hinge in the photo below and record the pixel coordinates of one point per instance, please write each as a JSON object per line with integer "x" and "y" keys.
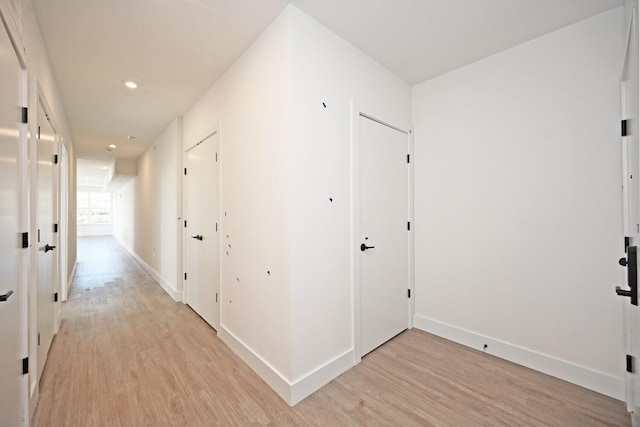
{"x": 55, "y": 297}
{"x": 408, "y": 293}
{"x": 216, "y": 157}
{"x": 627, "y": 243}
{"x": 185, "y": 223}
{"x": 185, "y": 171}
{"x": 624, "y": 129}
{"x": 55, "y": 228}
{"x": 38, "y": 338}
{"x": 185, "y": 276}
{"x": 38, "y": 132}
{"x": 55, "y": 159}
{"x": 408, "y": 158}
{"x": 25, "y": 366}
{"x": 25, "y": 240}
{"x": 25, "y": 115}
{"x": 629, "y": 363}
{"x": 409, "y": 225}
{"x": 216, "y": 297}
{"x": 216, "y": 227}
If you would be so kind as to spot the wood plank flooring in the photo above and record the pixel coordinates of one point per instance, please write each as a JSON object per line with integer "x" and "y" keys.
{"x": 128, "y": 355}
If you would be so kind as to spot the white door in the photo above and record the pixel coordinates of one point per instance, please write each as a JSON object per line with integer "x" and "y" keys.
{"x": 11, "y": 292}
{"x": 202, "y": 251}
{"x": 630, "y": 96}
{"x": 45, "y": 239}
{"x": 384, "y": 234}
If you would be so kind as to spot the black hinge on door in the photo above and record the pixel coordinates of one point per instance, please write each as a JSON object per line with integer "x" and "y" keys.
{"x": 55, "y": 228}
{"x": 25, "y": 366}
{"x": 216, "y": 157}
{"x": 55, "y": 159}
{"x": 55, "y": 297}
{"x": 408, "y": 293}
{"x": 38, "y": 132}
{"x": 629, "y": 363}
{"x": 185, "y": 171}
{"x": 185, "y": 276}
{"x": 408, "y": 158}
{"x": 216, "y": 227}
{"x": 25, "y": 240}
{"x": 25, "y": 115}
{"x": 38, "y": 338}
{"x": 624, "y": 129}
{"x": 216, "y": 297}
{"x": 38, "y": 235}
{"x": 185, "y": 223}
{"x": 627, "y": 243}
{"x": 409, "y": 225}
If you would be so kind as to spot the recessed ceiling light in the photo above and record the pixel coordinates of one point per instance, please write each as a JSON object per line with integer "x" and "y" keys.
{"x": 130, "y": 84}
{"x": 104, "y": 168}
{"x": 112, "y": 146}
{"x": 131, "y": 137}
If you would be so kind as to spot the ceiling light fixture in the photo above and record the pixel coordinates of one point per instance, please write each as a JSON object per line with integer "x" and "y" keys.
{"x": 131, "y": 137}
{"x": 112, "y": 146}
{"x": 130, "y": 84}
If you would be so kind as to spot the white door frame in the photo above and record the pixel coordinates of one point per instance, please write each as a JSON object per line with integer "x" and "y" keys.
{"x": 213, "y": 130}
{"x": 357, "y": 111}
{"x": 63, "y": 219}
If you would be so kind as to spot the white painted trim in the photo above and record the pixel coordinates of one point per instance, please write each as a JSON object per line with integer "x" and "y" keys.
{"x": 581, "y": 375}
{"x": 319, "y": 377}
{"x": 268, "y": 373}
{"x": 290, "y": 392}
{"x": 71, "y": 277}
{"x": 177, "y": 296}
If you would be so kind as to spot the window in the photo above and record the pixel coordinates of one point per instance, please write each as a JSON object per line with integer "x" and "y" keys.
{"x": 94, "y": 207}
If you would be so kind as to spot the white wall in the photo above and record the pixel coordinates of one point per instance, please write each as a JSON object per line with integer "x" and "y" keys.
{"x": 250, "y": 107}
{"x": 518, "y": 204}
{"x": 286, "y": 306}
{"x": 147, "y": 211}
{"x": 326, "y": 69}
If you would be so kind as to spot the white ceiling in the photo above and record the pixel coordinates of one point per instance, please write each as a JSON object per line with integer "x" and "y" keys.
{"x": 176, "y": 49}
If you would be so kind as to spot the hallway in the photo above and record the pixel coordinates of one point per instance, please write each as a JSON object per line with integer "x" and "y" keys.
{"x": 127, "y": 355}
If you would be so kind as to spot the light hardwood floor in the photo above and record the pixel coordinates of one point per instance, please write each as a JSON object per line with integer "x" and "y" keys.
{"x": 128, "y": 355}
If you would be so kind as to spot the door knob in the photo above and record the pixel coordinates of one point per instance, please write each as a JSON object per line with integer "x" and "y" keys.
{"x": 197, "y": 237}
{"x": 364, "y": 247}
{"x": 622, "y": 292}
{"x": 48, "y": 248}
{"x": 5, "y": 296}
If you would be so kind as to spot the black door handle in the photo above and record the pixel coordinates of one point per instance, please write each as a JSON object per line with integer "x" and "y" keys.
{"x": 197, "y": 237}
{"x": 622, "y": 292}
{"x": 48, "y": 248}
{"x": 364, "y": 247}
{"x": 631, "y": 262}
{"x": 5, "y": 296}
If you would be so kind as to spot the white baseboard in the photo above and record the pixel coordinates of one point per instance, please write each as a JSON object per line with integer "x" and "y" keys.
{"x": 72, "y": 275}
{"x": 319, "y": 377}
{"x": 177, "y": 296}
{"x": 585, "y": 377}
{"x": 292, "y": 393}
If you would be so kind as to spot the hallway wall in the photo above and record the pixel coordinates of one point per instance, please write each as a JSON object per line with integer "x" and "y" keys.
{"x": 518, "y": 204}
{"x": 148, "y": 210}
